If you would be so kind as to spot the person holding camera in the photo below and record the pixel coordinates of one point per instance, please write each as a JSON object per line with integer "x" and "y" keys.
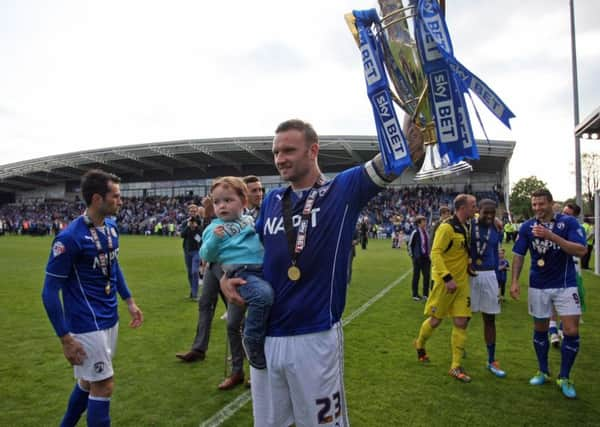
{"x": 192, "y": 239}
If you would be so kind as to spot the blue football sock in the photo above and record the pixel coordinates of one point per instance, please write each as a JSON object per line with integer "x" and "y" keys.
{"x": 568, "y": 350}
{"x": 78, "y": 403}
{"x": 491, "y": 349}
{"x": 98, "y": 412}
{"x": 553, "y": 330}
{"x": 541, "y": 345}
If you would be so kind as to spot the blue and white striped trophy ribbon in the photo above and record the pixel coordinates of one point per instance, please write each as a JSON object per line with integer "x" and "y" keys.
{"x": 429, "y": 84}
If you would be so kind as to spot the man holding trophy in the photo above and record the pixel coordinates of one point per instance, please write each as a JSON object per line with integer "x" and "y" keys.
{"x": 306, "y": 228}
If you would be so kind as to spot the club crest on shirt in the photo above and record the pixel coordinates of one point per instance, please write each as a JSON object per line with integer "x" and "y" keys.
{"x": 58, "y": 249}
{"x": 560, "y": 225}
{"x": 99, "y": 367}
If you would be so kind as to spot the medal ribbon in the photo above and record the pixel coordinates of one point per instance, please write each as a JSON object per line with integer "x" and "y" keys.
{"x": 102, "y": 256}
{"x": 481, "y": 248}
{"x": 297, "y": 243}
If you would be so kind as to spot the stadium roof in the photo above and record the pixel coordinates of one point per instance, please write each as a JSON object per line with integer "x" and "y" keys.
{"x": 590, "y": 126}
{"x": 206, "y": 158}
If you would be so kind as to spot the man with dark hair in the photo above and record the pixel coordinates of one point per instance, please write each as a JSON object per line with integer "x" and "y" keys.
{"x": 450, "y": 295}
{"x": 571, "y": 209}
{"x": 306, "y": 230}
{"x": 363, "y": 229}
{"x": 419, "y": 247}
{"x": 485, "y": 243}
{"x": 552, "y": 240}
{"x": 84, "y": 267}
{"x": 191, "y": 233}
{"x": 445, "y": 214}
{"x": 554, "y": 329}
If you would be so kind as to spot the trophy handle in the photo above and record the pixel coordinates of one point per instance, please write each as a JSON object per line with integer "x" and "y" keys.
{"x": 351, "y": 22}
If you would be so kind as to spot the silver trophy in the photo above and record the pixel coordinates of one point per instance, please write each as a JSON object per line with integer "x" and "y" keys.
{"x": 410, "y": 88}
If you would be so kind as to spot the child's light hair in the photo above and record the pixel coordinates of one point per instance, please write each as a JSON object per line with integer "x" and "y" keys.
{"x": 234, "y": 183}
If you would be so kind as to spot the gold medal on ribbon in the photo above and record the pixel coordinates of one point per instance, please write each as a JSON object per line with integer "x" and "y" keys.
{"x": 541, "y": 262}
{"x": 479, "y": 262}
{"x": 294, "y": 273}
{"x": 107, "y": 289}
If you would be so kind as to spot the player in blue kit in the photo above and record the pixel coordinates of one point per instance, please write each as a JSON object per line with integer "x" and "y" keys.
{"x": 306, "y": 229}
{"x": 552, "y": 240}
{"x": 83, "y": 266}
{"x": 485, "y": 240}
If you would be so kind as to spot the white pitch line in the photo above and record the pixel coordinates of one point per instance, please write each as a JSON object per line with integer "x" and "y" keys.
{"x": 231, "y": 408}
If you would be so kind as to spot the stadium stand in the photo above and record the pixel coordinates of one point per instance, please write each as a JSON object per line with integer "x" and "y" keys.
{"x": 160, "y": 178}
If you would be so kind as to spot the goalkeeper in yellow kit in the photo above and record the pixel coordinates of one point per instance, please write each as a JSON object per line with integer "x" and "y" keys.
{"x": 450, "y": 295}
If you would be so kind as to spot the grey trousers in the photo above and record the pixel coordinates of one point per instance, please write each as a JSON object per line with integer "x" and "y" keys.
{"x": 206, "y": 311}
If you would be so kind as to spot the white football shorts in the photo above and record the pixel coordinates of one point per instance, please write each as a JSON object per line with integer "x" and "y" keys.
{"x": 303, "y": 383}
{"x": 100, "y": 348}
{"x": 484, "y": 292}
{"x": 565, "y": 300}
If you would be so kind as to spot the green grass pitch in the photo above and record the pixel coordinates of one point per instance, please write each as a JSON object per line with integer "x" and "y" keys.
{"x": 385, "y": 385}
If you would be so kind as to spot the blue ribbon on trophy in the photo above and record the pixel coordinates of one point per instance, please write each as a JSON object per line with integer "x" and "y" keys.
{"x": 430, "y": 86}
{"x": 449, "y": 81}
{"x": 392, "y": 143}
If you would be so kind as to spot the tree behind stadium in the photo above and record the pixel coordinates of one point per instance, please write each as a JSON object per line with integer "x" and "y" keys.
{"x": 591, "y": 180}
{"x": 520, "y": 196}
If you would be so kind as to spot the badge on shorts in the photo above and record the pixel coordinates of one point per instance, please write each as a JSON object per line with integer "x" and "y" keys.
{"x": 99, "y": 367}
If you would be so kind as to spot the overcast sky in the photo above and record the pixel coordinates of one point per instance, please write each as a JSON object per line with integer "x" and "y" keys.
{"x": 83, "y": 74}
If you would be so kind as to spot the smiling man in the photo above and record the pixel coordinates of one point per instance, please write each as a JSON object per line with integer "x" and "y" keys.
{"x": 306, "y": 229}
{"x": 485, "y": 242}
{"x": 552, "y": 240}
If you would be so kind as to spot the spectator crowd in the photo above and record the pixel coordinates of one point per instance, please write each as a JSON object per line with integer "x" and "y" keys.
{"x": 391, "y": 212}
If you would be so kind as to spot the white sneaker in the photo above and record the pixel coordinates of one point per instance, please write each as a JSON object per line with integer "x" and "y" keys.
{"x": 224, "y": 316}
{"x": 554, "y": 340}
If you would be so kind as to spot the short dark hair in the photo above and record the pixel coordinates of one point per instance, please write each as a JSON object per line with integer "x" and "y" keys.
{"x": 487, "y": 202}
{"x": 444, "y": 209}
{"x": 543, "y": 192}
{"x": 95, "y": 181}
{"x": 461, "y": 200}
{"x": 296, "y": 124}
{"x": 574, "y": 207}
{"x": 249, "y": 179}
{"x": 420, "y": 218}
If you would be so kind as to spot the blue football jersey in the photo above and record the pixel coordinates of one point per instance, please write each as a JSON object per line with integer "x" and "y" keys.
{"x": 316, "y": 301}
{"x": 488, "y": 259}
{"x": 74, "y": 260}
{"x": 558, "y": 270}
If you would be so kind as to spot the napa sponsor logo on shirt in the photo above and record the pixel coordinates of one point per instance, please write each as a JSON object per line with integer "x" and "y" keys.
{"x": 275, "y": 225}
{"x": 113, "y": 256}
